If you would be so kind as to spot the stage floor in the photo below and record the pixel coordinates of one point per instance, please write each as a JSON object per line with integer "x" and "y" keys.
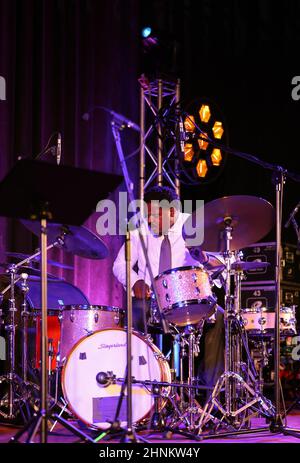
{"x": 61, "y": 435}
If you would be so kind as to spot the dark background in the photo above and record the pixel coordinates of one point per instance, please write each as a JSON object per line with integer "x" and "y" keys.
{"x": 60, "y": 57}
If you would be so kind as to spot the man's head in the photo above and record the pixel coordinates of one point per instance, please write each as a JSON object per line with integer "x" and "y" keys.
{"x": 163, "y": 206}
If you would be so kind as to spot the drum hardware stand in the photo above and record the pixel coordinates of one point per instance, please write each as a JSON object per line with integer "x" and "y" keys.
{"x": 13, "y": 379}
{"x": 40, "y": 419}
{"x": 16, "y": 397}
{"x": 35, "y": 192}
{"x": 24, "y": 315}
{"x": 189, "y": 411}
{"x": 262, "y": 360}
{"x": 296, "y": 227}
{"x": 232, "y": 378}
{"x": 159, "y": 385}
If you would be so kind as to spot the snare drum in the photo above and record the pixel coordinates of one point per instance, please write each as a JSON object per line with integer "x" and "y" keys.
{"x": 259, "y": 321}
{"x": 92, "y": 397}
{"x": 78, "y": 321}
{"x": 185, "y": 295}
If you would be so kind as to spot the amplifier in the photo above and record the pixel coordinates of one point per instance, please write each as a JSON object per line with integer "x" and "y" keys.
{"x": 266, "y": 252}
{"x": 258, "y": 296}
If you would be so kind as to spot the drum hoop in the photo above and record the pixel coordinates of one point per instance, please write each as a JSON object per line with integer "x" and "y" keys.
{"x": 255, "y": 310}
{"x": 162, "y": 363}
{"x": 179, "y": 305}
{"x": 178, "y": 269}
{"x": 104, "y": 308}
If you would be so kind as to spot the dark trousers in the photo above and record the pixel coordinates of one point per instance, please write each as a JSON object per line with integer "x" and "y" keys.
{"x": 211, "y": 358}
{"x": 210, "y": 363}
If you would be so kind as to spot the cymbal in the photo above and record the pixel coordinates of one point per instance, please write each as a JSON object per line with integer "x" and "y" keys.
{"x": 246, "y": 266}
{"x": 32, "y": 272}
{"x": 250, "y": 217}
{"x": 21, "y": 256}
{"x": 77, "y": 240}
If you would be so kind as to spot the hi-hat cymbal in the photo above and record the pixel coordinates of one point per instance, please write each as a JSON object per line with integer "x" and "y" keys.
{"x": 21, "y": 256}
{"x": 77, "y": 240}
{"x": 32, "y": 272}
{"x": 243, "y": 266}
{"x": 250, "y": 217}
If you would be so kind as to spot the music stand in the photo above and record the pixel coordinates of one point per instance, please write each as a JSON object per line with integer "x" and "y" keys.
{"x": 45, "y": 192}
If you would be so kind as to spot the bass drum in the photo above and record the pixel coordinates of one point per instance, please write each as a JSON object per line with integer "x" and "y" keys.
{"x": 95, "y": 369}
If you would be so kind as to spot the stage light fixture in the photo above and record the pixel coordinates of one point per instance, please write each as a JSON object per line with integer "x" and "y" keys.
{"x": 205, "y": 113}
{"x": 188, "y": 152}
{"x": 146, "y": 32}
{"x": 203, "y": 144}
{"x": 201, "y": 168}
{"x": 203, "y": 124}
{"x": 189, "y": 124}
{"x": 216, "y": 157}
{"x": 218, "y": 130}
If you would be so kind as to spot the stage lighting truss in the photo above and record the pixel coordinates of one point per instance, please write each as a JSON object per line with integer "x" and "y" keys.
{"x": 204, "y": 127}
{"x": 159, "y": 162}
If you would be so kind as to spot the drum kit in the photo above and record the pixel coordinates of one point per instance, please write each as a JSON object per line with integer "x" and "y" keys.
{"x": 87, "y": 343}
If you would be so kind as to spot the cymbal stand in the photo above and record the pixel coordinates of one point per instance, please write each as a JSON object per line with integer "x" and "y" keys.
{"x": 39, "y": 422}
{"x": 24, "y": 315}
{"x": 241, "y": 392}
{"x": 16, "y": 395}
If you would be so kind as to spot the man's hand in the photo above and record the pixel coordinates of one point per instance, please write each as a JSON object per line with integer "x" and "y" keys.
{"x": 141, "y": 290}
{"x": 198, "y": 254}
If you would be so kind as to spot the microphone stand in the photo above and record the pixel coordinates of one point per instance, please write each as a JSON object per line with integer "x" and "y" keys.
{"x": 279, "y": 177}
{"x": 129, "y": 434}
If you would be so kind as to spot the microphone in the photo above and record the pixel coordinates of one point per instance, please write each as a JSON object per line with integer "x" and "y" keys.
{"x": 292, "y": 215}
{"x": 58, "y": 149}
{"x": 104, "y": 379}
{"x": 119, "y": 117}
{"x": 124, "y": 120}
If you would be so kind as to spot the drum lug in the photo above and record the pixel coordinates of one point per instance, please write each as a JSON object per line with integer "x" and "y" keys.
{"x": 96, "y": 317}
{"x": 89, "y": 332}
{"x": 159, "y": 356}
{"x": 117, "y": 318}
{"x": 149, "y": 338}
{"x": 72, "y": 316}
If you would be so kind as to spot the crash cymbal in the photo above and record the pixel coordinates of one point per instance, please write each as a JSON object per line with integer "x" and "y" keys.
{"x": 21, "y": 256}
{"x": 32, "y": 272}
{"x": 242, "y": 266}
{"x": 250, "y": 217}
{"x": 77, "y": 240}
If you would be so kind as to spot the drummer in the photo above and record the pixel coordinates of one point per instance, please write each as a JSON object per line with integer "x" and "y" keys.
{"x": 166, "y": 249}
